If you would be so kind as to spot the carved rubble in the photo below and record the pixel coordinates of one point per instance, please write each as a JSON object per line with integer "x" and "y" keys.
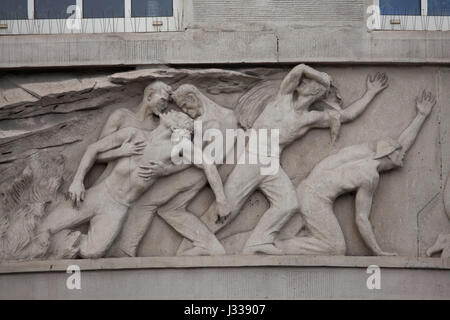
{"x": 87, "y": 164}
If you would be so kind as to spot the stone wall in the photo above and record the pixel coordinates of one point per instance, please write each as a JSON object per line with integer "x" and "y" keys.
{"x": 407, "y": 213}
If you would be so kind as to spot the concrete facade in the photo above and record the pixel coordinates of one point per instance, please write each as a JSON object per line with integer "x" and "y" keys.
{"x": 299, "y": 278}
{"x": 263, "y": 38}
{"x": 260, "y": 32}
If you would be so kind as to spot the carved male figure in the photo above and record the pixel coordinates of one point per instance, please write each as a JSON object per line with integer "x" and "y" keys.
{"x": 352, "y": 169}
{"x": 289, "y": 112}
{"x": 170, "y": 196}
{"x": 442, "y": 244}
{"x": 154, "y": 101}
{"x": 106, "y": 204}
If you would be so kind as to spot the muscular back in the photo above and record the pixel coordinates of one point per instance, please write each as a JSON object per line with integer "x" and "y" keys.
{"x": 292, "y": 124}
{"x": 343, "y": 172}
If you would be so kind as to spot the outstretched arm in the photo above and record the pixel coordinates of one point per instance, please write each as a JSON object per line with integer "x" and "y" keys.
{"x": 374, "y": 86}
{"x": 364, "y": 198}
{"x": 210, "y": 169}
{"x": 333, "y": 118}
{"x": 127, "y": 149}
{"x": 424, "y": 106}
{"x": 160, "y": 169}
{"x": 292, "y": 80}
{"x": 76, "y": 190}
{"x": 113, "y": 124}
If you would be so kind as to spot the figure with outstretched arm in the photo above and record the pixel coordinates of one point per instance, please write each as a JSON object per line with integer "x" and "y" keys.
{"x": 106, "y": 204}
{"x": 290, "y": 113}
{"x": 352, "y": 169}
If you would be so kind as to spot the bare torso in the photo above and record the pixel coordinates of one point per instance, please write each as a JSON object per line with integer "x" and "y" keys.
{"x": 344, "y": 172}
{"x": 219, "y": 118}
{"x": 281, "y": 115}
{"x": 124, "y": 181}
{"x": 126, "y": 119}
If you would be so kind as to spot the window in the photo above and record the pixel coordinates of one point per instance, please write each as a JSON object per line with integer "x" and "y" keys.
{"x": 400, "y": 7}
{"x": 14, "y": 9}
{"x": 52, "y": 9}
{"x": 151, "y": 8}
{"x": 439, "y": 7}
{"x": 429, "y": 15}
{"x": 90, "y": 16}
{"x": 103, "y": 9}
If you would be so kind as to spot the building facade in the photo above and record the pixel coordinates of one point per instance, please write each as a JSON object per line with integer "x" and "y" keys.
{"x": 66, "y": 67}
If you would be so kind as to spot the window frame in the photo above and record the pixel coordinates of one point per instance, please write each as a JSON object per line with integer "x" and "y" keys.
{"x": 422, "y": 22}
{"x": 95, "y": 25}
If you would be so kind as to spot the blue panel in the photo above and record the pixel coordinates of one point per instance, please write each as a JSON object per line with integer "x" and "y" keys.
{"x": 151, "y": 8}
{"x": 103, "y": 8}
{"x": 13, "y": 9}
{"x": 52, "y": 9}
{"x": 439, "y": 7}
{"x": 400, "y": 7}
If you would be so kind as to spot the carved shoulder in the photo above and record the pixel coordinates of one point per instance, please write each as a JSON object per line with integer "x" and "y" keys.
{"x": 115, "y": 121}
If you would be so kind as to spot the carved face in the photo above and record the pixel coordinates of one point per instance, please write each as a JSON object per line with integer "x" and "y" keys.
{"x": 178, "y": 122}
{"x": 397, "y": 158}
{"x": 179, "y": 134}
{"x": 156, "y": 98}
{"x": 188, "y": 102}
{"x": 311, "y": 88}
{"x": 392, "y": 161}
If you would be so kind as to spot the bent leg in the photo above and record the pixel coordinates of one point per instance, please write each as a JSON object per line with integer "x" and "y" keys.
{"x": 242, "y": 182}
{"x": 281, "y": 194}
{"x": 326, "y": 236}
{"x": 192, "y": 228}
{"x": 105, "y": 226}
{"x": 168, "y": 193}
{"x": 134, "y": 229}
{"x": 64, "y": 216}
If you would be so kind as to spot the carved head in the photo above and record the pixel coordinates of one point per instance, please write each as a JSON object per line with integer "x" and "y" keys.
{"x": 332, "y": 98}
{"x": 180, "y": 124}
{"x": 311, "y": 88}
{"x": 156, "y": 97}
{"x": 390, "y": 152}
{"x": 187, "y": 97}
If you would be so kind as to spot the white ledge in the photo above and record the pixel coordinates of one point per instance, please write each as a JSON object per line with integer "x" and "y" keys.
{"x": 226, "y": 262}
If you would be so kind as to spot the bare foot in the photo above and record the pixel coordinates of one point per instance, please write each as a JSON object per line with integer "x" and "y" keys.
{"x": 269, "y": 249}
{"x": 199, "y": 251}
{"x": 442, "y": 243}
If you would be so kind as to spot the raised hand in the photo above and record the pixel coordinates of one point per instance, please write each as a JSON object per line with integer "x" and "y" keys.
{"x": 76, "y": 193}
{"x": 153, "y": 169}
{"x": 377, "y": 83}
{"x": 129, "y": 148}
{"x": 387, "y": 254}
{"x": 425, "y": 103}
{"x": 224, "y": 211}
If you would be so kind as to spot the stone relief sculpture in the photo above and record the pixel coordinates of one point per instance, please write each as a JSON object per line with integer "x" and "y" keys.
{"x": 352, "y": 169}
{"x": 112, "y": 215}
{"x": 288, "y": 112}
{"x": 442, "y": 244}
{"x": 175, "y": 192}
{"x": 106, "y": 204}
{"x": 26, "y": 199}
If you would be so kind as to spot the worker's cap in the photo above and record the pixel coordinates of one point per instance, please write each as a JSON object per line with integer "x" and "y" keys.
{"x": 385, "y": 147}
